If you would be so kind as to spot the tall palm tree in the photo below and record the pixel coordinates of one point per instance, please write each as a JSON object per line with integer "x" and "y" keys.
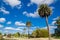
{"x": 45, "y": 11}
{"x": 28, "y": 24}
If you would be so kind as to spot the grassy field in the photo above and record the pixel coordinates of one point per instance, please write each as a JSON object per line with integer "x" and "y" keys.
{"x": 30, "y": 39}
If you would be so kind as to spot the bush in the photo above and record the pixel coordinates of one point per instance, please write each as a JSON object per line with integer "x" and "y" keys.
{"x": 9, "y": 35}
{"x": 40, "y": 33}
{"x": 16, "y": 34}
{"x": 1, "y": 37}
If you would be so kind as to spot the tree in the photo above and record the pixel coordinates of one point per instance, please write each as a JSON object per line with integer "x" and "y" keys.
{"x": 28, "y": 24}
{"x": 0, "y": 33}
{"x": 36, "y": 33}
{"x": 58, "y": 22}
{"x": 57, "y": 30}
{"x": 45, "y": 11}
{"x": 40, "y": 33}
{"x": 17, "y": 34}
{"x": 4, "y": 34}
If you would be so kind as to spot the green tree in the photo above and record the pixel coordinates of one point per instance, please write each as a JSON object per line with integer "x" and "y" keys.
{"x": 45, "y": 11}
{"x": 40, "y": 33}
{"x": 57, "y": 30}
{"x": 36, "y": 33}
{"x": 4, "y": 34}
{"x": 28, "y": 24}
{"x": 44, "y": 33}
{"x": 0, "y": 33}
{"x": 58, "y": 22}
{"x": 17, "y": 34}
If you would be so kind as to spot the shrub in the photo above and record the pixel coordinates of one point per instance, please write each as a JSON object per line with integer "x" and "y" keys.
{"x": 40, "y": 33}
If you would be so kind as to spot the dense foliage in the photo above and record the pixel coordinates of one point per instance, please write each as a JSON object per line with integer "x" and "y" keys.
{"x": 44, "y": 10}
{"x": 57, "y": 30}
{"x": 16, "y": 34}
{"x": 40, "y": 33}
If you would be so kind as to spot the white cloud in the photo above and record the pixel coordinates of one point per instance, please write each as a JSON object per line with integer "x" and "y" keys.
{"x": 51, "y": 27}
{"x": 33, "y": 15}
{"x": 43, "y": 28}
{"x": 56, "y": 18}
{"x": 2, "y": 20}
{"x": 1, "y": 26}
{"x": 39, "y": 2}
{"x": 19, "y": 23}
{"x": 12, "y": 3}
{"x": 11, "y": 28}
{"x": 42, "y": 1}
{"x": 53, "y": 22}
{"x": 29, "y": 4}
{"x": 2, "y": 9}
{"x": 9, "y": 22}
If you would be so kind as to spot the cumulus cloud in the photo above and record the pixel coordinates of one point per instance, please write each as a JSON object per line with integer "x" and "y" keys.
{"x": 39, "y": 2}
{"x": 42, "y": 1}
{"x": 2, "y": 9}
{"x": 19, "y": 23}
{"x": 1, "y": 25}
{"x": 30, "y": 14}
{"x": 51, "y": 27}
{"x": 12, "y": 3}
{"x": 33, "y": 15}
{"x": 2, "y": 20}
{"x": 9, "y": 22}
{"x": 53, "y": 22}
{"x": 11, "y": 28}
{"x": 55, "y": 18}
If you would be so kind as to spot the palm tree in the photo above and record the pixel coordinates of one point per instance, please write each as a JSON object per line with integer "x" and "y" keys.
{"x": 28, "y": 24}
{"x": 45, "y": 11}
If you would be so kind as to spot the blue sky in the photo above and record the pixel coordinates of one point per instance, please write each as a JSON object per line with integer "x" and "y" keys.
{"x": 15, "y": 13}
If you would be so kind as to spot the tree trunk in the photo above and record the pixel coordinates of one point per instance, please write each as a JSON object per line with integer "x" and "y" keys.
{"x": 48, "y": 28}
{"x": 28, "y": 33}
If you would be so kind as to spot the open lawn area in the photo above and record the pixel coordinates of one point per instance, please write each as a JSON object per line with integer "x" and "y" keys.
{"x": 31, "y": 39}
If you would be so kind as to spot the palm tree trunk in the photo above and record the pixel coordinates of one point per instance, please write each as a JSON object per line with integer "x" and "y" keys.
{"x": 48, "y": 28}
{"x": 28, "y": 33}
